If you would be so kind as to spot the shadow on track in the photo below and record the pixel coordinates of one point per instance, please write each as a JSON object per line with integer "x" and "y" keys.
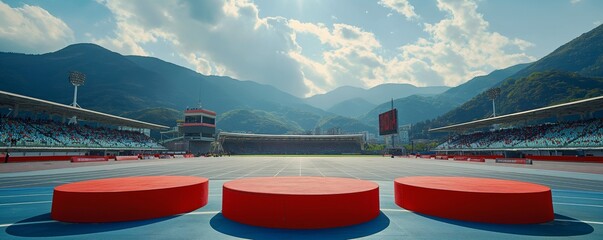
{"x": 39, "y": 226}
{"x": 226, "y": 226}
{"x": 571, "y": 227}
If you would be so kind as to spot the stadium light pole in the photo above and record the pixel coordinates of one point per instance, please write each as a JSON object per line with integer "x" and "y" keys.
{"x": 393, "y": 135}
{"x": 77, "y": 79}
{"x": 493, "y": 93}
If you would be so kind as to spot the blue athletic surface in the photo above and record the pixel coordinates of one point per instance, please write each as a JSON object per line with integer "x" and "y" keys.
{"x": 25, "y": 200}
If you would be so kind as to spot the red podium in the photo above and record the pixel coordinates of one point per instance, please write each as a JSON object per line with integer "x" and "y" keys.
{"x": 300, "y": 202}
{"x": 476, "y": 199}
{"x": 129, "y": 198}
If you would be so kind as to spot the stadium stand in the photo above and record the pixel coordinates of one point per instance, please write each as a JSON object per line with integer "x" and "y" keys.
{"x": 575, "y": 134}
{"x": 46, "y": 133}
{"x": 240, "y": 143}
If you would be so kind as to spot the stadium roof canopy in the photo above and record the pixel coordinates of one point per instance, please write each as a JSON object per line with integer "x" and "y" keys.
{"x": 248, "y": 136}
{"x": 38, "y": 105}
{"x": 564, "y": 109}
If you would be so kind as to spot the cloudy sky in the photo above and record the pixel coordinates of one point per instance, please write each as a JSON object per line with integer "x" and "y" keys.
{"x": 305, "y": 47}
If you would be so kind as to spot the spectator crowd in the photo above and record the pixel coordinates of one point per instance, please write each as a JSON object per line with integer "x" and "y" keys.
{"x": 27, "y": 132}
{"x": 583, "y": 133}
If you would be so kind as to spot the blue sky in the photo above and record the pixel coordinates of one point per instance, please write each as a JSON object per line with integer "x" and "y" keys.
{"x": 306, "y": 47}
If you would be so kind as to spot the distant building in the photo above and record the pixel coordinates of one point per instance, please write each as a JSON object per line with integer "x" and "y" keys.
{"x": 365, "y": 136}
{"x": 317, "y": 131}
{"x": 334, "y": 131}
{"x": 199, "y": 124}
{"x": 196, "y": 133}
{"x": 404, "y": 133}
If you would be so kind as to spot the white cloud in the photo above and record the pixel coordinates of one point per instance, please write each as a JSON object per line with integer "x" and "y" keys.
{"x": 401, "y": 6}
{"x": 216, "y": 37}
{"x": 458, "y": 48}
{"x": 461, "y": 46}
{"x": 31, "y": 29}
{"x": 229, "y": 38}
{"x": 574, "y": 2}
{"x": 201, "y": 64}
{"x": 350, "y": 59}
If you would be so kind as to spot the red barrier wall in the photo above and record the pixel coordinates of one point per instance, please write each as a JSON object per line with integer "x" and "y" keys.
{"x": 567, "y": 158}
{"x": 148, "y": 156}
{"x": 89, "y": 159}
{"x": 514, "y": 160}
{"x": 473, "y": 159}
{"x": 540, "y": 158}
{"x": 464, "y": 157}
{"x": 121, "y": 158}
{"x": 485, "y": 156}
{"x": 37, "y": 158}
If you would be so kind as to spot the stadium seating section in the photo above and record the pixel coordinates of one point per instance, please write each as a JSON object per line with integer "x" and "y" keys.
{"x": 292, "y": 147}
{"x": 47, "y": 133}
{"x": 586, "y": 133}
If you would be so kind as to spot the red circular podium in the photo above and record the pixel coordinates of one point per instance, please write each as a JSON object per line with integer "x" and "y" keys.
{"x": 129, "y": 198}
{"x": 476, "y": 199}
{"x": 300, "y": 202}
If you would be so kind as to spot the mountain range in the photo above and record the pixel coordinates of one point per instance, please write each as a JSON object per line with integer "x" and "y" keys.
{"x": 375, "y": 95}
{"x": 150, "y": 89}
{"x": 153, "y": 90}
{"x": 138, "y": 86}
{"x": 417, "y": 108}
{"x": 571, "y": 72}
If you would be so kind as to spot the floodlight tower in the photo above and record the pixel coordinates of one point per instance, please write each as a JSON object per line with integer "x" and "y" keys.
{"x": 493, "y": 93}
{"x": 77, "y": 79}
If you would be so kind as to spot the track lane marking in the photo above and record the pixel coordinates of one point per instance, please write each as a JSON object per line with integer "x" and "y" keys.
{"x": 199, "y": 213}
{"x": 216, "y": 212}
{"x": 26, "y": 195}
{"x": 579, "y": 221}
{"x": 25, "y": 223}
{"x": 393, "y": 210}
{"x": 23, "y": 203}
{"x": 577, "y": 204}
{"x": 585, "y": 198}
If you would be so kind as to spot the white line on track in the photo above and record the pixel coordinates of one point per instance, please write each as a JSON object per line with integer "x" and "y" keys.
{"x": 23, "y": 203}
{"x": 257, "y": 170}
{"x": 579, "y": 221}
{"x": 200, "y": 213}
{"x": 585, "y": 198}
{"x": 559, "y": 203}
{"x": 25, "y": 223}
{"x": 216, "y": 212}
{"x": 574, "y": 191}
{"x": 317, "y": 168}
{"x": 576, "y": 204}
{"x": 341, "y": 170}
{"x": 88, "y": 176}
{"x": 236, "y": 170}
{"x": 393, "y": 210}
{"x": 52, "y": 221}
{"x": 286, "y": 165}
{"x": 560, "y": 220}
{"x": 25, "y": 195}
{"x": 61, "y": 182}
